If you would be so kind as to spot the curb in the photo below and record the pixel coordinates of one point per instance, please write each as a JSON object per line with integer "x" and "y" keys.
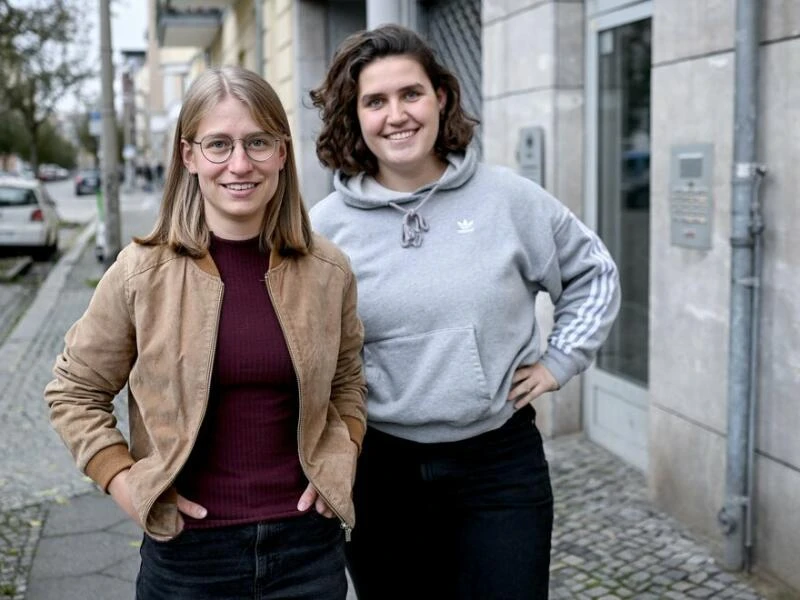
{"x": 12, "y": 350}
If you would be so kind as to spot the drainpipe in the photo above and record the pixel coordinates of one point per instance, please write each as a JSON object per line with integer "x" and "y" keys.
{"x": 258, "y": 14}
{"x": 757, "y": 227}
{"x": 736, "y": 515}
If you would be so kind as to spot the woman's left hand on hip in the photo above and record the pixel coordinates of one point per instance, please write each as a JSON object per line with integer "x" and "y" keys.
{"x": 530, "y": 382}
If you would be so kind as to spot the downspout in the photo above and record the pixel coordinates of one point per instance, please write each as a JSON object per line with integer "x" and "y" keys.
{"x": 757, "y": 228}
{"x": 258, "y": 15}
{"x": 736, "y": 516}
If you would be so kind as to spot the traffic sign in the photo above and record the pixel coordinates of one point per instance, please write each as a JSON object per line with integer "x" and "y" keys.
{"x": 95, "y": 123}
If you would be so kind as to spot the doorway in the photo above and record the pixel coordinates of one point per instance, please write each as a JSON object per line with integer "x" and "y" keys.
{"x": 616, "y": 400}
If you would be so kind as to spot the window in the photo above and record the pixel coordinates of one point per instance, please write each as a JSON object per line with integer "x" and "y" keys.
{"x": 14, "y": 196}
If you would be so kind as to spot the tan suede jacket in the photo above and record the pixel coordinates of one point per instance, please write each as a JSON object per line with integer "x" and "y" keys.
{"x": 152, "y": 323}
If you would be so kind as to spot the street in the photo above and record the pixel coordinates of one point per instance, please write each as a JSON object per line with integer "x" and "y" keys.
{"x": 72, "y": 208}
{"x": 137, "y": 209}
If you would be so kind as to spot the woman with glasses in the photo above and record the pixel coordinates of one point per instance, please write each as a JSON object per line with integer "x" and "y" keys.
{"x": 235, "y": 330}
{"x": 453, "y": 491}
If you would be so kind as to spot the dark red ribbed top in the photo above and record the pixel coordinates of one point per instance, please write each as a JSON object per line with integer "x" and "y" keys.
{"x": 244, "y": 466}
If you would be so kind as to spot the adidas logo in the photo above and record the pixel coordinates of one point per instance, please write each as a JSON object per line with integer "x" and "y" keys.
{"x": 465, "y": 226}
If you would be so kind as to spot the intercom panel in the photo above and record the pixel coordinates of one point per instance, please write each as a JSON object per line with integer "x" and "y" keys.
{"x": 530, "y": 153}
{"x": 691, "y": 203}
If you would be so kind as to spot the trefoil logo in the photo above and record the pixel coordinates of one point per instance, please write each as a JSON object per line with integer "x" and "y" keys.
{"x": 465, "y": 226}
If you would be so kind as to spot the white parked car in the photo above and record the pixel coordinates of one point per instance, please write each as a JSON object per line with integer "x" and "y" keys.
{"x": 28, "y": 218}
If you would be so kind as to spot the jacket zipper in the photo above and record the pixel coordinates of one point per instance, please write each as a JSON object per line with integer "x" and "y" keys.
{"x": 152, "y": 501}
{"x": 347, "y": 529}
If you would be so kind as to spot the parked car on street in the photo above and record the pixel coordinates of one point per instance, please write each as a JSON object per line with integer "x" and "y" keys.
{"x": 50, "y": 172}
{"x": 87, "y": 181}
{"x": 28, "y": 217}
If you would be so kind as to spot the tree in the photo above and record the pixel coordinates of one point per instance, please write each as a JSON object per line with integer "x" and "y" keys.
{"x": 43, "y": 49}
{"x": 53, "y": 148}
{"x": 14, "y": 139}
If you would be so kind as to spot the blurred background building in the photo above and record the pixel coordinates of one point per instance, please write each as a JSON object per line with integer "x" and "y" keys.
{"x": 624, "y": 110}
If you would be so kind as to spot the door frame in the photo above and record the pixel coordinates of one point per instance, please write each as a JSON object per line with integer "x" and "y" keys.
{"x": 633, "y": 399}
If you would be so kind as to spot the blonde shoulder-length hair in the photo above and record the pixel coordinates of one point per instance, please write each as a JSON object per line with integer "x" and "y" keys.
{"x": 181, "y": 221}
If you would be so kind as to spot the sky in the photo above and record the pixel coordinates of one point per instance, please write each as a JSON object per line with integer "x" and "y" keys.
{"x": 128, "y": 25}
{"x": 128, "y": 32}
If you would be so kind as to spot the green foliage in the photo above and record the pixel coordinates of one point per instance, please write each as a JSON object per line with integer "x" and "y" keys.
{"x": 52, "y": 147}
{"x": 14, "y": 138}
{"x": 43, "y": 50}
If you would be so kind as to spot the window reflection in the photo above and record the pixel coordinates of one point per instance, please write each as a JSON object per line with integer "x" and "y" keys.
{"x": 624, "y": 190}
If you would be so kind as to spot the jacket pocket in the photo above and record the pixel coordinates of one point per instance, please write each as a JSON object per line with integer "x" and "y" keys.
{"x": 431, "y": 377}
{"x": 162, "y": 520}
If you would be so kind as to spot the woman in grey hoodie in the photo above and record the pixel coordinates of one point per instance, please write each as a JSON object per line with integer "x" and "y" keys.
{"x": 453, "y": 486}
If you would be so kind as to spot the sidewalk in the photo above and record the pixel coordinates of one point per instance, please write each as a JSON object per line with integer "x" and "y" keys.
{"x": 61, "y": 539}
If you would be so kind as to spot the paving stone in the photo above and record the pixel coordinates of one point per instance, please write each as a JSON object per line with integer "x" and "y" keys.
{"x": 698, "y": 577}
{"x": 597, "y": 592}
{"x": 701, "y": 592}
{"x": 715, "y": 585}
{"x": 676, "y": 574}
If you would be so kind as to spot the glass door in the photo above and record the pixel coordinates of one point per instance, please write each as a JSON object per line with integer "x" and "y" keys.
{"x": 623, "y": 186}
{"x": 618, "y": 194}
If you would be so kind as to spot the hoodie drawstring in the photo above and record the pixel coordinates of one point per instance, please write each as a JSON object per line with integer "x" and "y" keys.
{"x": 414, "y": 224}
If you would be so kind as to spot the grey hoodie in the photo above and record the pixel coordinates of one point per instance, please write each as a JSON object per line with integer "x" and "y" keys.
{"x": 447, "y": 281}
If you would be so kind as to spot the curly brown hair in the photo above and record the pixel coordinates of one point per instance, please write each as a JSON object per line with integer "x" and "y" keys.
{"x": 340, "y": 144}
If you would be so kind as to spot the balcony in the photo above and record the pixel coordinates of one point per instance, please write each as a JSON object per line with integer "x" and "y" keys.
{"x": 182, "y": 5}
{"x": 195, "y": 26}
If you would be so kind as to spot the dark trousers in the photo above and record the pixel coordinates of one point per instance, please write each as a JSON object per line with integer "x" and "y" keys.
{"x": 458, "y": 520}
{"x": 301, "y": 557}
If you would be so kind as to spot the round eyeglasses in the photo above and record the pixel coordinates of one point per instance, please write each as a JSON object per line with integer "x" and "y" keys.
{"x": 218, "y": 148}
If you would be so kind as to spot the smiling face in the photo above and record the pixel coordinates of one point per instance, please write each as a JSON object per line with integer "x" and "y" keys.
{"x": 237, "y": 191}
{"x": 398, "y": 111}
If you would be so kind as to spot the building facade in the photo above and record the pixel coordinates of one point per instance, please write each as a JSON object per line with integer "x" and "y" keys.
{"x": 625, "y": 110}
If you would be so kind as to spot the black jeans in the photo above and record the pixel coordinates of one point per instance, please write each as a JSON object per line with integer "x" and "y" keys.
{"x": 301, "y": 557}
{"x": 459, "y": 520}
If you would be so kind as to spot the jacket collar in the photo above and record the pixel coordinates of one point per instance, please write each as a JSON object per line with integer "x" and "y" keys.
{"x": 206, "y": 263}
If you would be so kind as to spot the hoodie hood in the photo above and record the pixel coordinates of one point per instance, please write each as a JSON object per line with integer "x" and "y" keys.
{"x": 361, "y": 191}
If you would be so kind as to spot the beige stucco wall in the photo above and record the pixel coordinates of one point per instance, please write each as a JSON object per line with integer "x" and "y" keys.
{"x": 235, "y": 44}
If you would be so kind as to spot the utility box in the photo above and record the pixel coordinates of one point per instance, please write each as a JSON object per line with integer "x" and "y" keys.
{"x": 530, "y": 153}
{"x": 691, "y": 206}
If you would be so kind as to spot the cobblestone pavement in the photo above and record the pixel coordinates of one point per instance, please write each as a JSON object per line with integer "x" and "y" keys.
{"x": 609, "y": 541}
{"x": 19, "y": 532}
{"x": 34, "y": 465}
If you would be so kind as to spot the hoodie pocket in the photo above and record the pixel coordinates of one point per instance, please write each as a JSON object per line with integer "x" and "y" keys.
{"x": 427, "y": 378}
